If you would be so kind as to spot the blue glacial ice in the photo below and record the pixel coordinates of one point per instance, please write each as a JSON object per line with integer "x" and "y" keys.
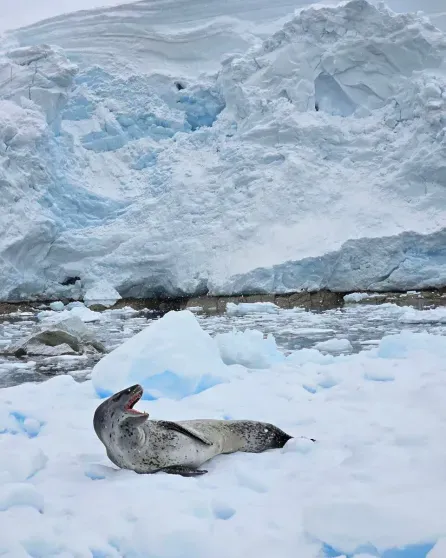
{"x": 313, "y": 159}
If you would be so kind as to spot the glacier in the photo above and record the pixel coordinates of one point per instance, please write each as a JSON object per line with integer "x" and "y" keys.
{"x": 224, "y": 150}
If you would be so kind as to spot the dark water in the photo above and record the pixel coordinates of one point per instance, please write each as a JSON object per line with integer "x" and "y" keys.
{"x": 362, "y": 324}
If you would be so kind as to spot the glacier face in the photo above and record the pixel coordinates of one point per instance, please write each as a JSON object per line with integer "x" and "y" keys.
{"x": 312, "y": 155}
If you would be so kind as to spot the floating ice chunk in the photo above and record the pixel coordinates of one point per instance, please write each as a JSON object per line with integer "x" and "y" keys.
{"x": 75, "y": 304}
{"x": 85, "y": 314}
{"x": 244, "y": 308}
{"x": 102, "y": 293}
{"x": 57, "y": 306}
{"x": 39, "y": 349}
{"x": 58, "y": 335}
{"x": 334, "y": 345}
{"x": 20, "y": 494}
{"x": 172, "y": 357}
{"x": 249, "y": 348}
{"x": 431, "y": 316}
{"x": 357, "y": 297}
{"x": 18, "y": 365}
{"x": 78, "y": 310}
{"x": 402, "y": 344}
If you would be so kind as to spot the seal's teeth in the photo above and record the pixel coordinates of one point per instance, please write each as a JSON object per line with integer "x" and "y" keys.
{"x": 132, "y": 401}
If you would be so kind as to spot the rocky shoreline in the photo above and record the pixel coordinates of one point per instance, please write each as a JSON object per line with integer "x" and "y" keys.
{"x": 319, "y": 300}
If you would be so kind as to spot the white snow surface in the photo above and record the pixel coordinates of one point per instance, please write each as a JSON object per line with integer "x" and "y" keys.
{"x": 171, "y": 148}
{"x": 351, "y": 493}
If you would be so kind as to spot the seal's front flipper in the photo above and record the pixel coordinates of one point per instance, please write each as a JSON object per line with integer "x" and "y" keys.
{"x": 188, "y": 432}
{"x": 183, "y": 471}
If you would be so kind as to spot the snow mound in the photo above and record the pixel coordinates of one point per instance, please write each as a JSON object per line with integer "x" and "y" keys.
{"x": 406, "y": 342}
{"x": 248, "y": 348}
{"x": 20, "y": 495}
{"x": 172, "y": 357}
{"x": 19, "y": 462}
{"x": 312, "y": 159}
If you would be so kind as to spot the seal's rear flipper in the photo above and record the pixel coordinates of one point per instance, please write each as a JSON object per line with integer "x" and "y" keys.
{"x": 183, "y": 471}
{"x": 188, "y": 432}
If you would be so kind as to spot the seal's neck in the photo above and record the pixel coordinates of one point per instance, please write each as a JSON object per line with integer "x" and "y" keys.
{"x": 131, "y": 436}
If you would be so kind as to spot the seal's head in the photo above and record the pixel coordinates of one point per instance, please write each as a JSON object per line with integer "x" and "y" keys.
{"x": 117, "y": 409}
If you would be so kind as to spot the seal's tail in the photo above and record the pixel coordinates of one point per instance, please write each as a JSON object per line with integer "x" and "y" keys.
{"x": 256, "y": 437}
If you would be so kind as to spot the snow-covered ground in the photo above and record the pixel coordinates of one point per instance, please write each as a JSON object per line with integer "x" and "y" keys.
{"x": 371, "y": 486}
{"x": 232, "y": 147}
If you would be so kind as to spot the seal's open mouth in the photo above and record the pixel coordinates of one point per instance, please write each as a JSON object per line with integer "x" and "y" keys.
{"x": 132, "y": 401}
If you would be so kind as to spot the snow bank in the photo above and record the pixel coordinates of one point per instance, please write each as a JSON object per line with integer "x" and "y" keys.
{"x": 351, "y": 493}
{"x": 249, "y": 348}
{"x": 172, "y": 357}
{"x": 312, "y": 159}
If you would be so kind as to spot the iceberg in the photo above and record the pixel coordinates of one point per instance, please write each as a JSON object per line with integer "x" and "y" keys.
{"x": 172, "y": 357}
{"x": 249, "y": 348}
{"x": 101, "y": 293}
{"x": 65, "y": 335}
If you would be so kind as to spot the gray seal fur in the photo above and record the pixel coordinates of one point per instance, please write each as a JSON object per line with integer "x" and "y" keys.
{"x": 180, "y": 447}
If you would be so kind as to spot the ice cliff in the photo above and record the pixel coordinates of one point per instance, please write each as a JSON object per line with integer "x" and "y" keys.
{"x": 313, "y": 155}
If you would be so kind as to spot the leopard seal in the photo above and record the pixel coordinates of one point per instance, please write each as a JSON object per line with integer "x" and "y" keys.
{"x": 181, "y": 447}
